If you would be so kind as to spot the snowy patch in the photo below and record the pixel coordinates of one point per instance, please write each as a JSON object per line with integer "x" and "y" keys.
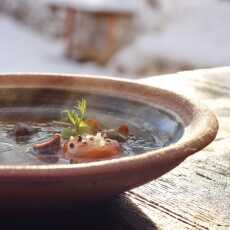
{"x": 172, "y": 35}
{"x": 98, "y": 5}
{"x": 193, "y": 34}
{"x": 22, "y": 50}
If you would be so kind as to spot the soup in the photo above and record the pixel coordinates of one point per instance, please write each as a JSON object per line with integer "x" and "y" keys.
{"x": 149, "y": 127}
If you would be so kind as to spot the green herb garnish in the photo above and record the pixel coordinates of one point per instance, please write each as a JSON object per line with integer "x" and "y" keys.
{"x": 76, "y": 119}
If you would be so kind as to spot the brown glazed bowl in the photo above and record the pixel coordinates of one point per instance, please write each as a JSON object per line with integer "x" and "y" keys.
{"x": 41, "y": 185}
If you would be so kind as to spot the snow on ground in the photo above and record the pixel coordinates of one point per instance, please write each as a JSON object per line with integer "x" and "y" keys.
{"x": 22, "y": 50}
{"x": 192, "y": 32}
{"x": 176, "y": 32}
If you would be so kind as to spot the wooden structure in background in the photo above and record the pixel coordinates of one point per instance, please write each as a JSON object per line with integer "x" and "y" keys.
{"x": 98, "y": 35}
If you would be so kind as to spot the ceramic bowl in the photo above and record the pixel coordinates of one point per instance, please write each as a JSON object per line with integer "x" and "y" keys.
{"x": 190, "y": 127}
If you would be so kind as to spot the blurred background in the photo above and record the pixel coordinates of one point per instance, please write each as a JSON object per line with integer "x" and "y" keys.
{"x": 126, "y": 38}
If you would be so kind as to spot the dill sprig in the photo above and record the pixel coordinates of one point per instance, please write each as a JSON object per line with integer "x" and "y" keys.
{"x": 76, "y": 119}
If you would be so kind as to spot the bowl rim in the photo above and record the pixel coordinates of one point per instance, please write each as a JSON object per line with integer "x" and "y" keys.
{"x": 192, "y": 141}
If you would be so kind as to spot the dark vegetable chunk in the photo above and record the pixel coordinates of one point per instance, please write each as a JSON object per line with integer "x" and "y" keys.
{"x": 22, "y": 129}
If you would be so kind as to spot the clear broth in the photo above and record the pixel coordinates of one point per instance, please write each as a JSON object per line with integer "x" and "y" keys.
{"x": 150, "y": 128}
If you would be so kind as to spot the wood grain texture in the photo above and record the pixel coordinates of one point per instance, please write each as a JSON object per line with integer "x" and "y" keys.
{"x": 195, "y": 195}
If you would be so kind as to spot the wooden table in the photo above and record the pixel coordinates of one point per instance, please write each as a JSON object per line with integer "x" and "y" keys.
{"x": 195, "y": 195}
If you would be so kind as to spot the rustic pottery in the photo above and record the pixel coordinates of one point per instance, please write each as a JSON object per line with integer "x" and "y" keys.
{"x": 89, "y": 182}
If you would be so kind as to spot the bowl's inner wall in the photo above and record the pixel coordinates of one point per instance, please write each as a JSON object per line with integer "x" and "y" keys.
{"x": 150, "y": 127}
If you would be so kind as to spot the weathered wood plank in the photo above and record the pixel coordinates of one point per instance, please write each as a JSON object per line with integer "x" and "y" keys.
{"x": 196, "y": 195}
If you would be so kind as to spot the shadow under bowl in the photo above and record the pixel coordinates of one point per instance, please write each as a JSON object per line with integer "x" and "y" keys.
{"x": 179, "y": 127}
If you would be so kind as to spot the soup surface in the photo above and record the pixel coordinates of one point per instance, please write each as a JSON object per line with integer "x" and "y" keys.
{"x": 150, "y": 128}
